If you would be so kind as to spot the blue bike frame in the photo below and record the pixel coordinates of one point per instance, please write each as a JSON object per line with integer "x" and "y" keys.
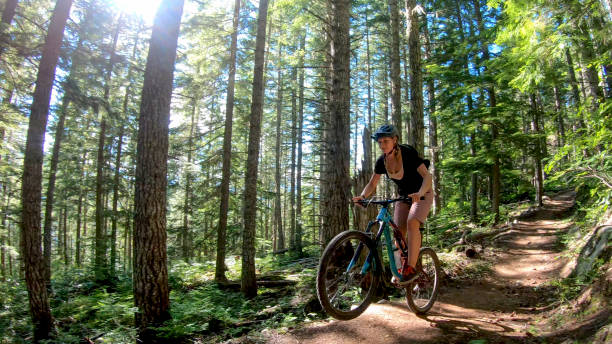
{"x": 384, "y": 218}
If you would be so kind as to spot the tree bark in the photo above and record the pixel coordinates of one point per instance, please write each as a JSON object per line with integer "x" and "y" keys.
{"x": 433, "y": 127}
{"x": 299, "y": 232}
{"x": 278, "y": 219}
{"x": 396, "y": 81}
{"x": 416, "y": 136}
{"x": 572, "y": 78}
{"x": 117, "y": 177}
{"x": 151, "y": 293}
{"x": 336, "y": 214}
{"x": 31, "y": 190}
{"x": 220, "y": 267}
{"x": 248, "y": 280}
{"x": 66, "y": 237}
{"x": 495, "y": 169}
{"x": 185, "y": 232}
{"x": 293, "y": 162}
{"x": 537, "y": 156}
{"x": 8, "y": 13}
{"x": 47, "y": 224}
{"x": 100, "y": 263}
{"x": 560, "y": 121}
{"x": 369, "y": 153}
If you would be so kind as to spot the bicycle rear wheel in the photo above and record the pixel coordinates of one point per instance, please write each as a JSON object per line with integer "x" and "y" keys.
{"x": 347, "y": 279}
{"x": 421, "y": 294}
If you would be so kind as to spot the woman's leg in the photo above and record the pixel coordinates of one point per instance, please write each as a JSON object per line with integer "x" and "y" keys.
{"x": 413, "y": 239}
{"x": 418, "y": 215}
{"x": 400, "y": 217}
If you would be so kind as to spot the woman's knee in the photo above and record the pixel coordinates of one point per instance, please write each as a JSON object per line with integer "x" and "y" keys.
{"x": 413, "y": 224}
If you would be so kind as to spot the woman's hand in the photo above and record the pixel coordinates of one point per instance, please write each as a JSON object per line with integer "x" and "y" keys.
{"x": 356, "y": 200}
{"x": 416, "y": 197}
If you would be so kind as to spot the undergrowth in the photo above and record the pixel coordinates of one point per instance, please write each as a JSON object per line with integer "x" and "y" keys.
{"x": 200, "y": 310}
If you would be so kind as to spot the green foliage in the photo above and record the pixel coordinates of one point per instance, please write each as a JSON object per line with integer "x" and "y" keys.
{"x": 585, "y": 160}
{"x": 568, "y": 289}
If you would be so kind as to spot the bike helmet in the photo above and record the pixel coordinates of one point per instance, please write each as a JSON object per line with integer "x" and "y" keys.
{"x": 386, "y": 130}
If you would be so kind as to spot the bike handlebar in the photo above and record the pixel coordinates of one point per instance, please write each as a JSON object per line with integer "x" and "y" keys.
{"x": 385, "y": 202}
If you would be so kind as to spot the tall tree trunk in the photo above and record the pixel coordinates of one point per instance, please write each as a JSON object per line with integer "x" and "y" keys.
{"x": 4, "y": 244}
{"x": 560, "y": 121}
{"x": 48, "y": 220}
{"x": 186, "y": 233}
{"x": 293, "y": 162}
{"x": 369, "y": 153}
{"x": 495, "y": 169}
{"x": 278, "y": 219}
{"x": 299, "y": 231}
{"x": 572, "y": 78}
{"x": 117, "y": 177}
{"x": 116, "y": 182}
{"x": 594, "y": 94}
{"x": 220, "y": 267}
{"x": 396, "y": 81}
{"x": 248, "y": 280}
{"x": 433, "y": 127}
{"x": 416, "y": 136}
{"x": 336, "y": 214}
{"x": 82, "y": 208}
{"x": 151, "y": 293}
{"x": 101, "y": 265}
{"x": 66, "y": 241}
{"x": 77, "y": 256}
{"x": 537, "y": 156}
{"x": 8, "y": 13}
{"x": 31, "y": 185}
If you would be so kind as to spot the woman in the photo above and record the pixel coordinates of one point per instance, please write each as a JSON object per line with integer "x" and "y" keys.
{"x": 407, "y": 169}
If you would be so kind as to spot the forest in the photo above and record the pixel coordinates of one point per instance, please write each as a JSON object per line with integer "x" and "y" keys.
{"x": 160, "y": 161}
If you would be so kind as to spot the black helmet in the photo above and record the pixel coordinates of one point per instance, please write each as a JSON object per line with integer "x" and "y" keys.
{"x": 386, "y": 130}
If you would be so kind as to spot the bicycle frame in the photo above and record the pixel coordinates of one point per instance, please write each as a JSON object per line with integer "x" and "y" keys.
{"x": 385, "y": 219}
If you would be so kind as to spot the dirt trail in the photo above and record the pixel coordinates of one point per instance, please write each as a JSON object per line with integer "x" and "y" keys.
{"x": 499, "y": 308}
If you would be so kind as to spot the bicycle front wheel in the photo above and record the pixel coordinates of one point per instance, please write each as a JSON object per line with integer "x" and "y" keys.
{"x": 421, "y": 294}
{"x": 348, "y": 275}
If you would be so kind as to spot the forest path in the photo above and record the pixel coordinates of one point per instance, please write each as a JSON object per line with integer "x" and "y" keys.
{"x": 499, "y": 308}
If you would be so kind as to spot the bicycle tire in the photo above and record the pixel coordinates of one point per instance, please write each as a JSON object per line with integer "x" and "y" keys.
{"x": 422, "y": 293}
{"x": 346, "y": 293}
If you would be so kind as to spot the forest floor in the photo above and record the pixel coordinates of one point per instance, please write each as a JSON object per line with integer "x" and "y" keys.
{"x": 507, "y": 305}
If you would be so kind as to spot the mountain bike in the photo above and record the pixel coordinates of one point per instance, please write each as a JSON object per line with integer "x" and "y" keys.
{"x": 351, "y": 268}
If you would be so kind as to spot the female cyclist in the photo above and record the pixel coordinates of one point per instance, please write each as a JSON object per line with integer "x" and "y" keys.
{"x": 407, "y": 169}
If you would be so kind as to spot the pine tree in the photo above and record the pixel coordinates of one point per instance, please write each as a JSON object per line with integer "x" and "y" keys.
{"x": 151, "y": 293}
{"x": 31, "y": 189}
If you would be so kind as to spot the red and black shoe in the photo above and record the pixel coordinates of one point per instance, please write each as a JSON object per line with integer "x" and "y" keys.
{"x": 408, "y": 274}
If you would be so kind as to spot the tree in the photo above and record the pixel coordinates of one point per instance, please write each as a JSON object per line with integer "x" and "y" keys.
{"x": 337, "y": 138}
{"x": 220, "y": 267}
{"x": 299, "y": 231}
{"x": 248, "y": 279}
{"x": 8, "y": 13}
{"x": 496, "y": 166}
{"x": 278, "y": 219}
{"x": 151, "y": 293}
{"x": 433, "y": 126}
{"x": 416, "y": 136}
{"x": 31, "y": 187}
{"x": 396, "y": 84}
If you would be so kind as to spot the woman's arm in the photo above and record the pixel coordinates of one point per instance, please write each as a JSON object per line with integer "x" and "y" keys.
{"x": 427, "y": 180}
{"x": 425, "y": 186}
{"x": 369, "y": 188}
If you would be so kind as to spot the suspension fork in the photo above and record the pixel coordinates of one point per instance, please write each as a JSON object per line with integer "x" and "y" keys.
{"x": 357, "y": 253}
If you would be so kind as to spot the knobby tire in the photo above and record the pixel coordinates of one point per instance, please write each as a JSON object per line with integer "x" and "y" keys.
{"x": 344, "y": 294}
